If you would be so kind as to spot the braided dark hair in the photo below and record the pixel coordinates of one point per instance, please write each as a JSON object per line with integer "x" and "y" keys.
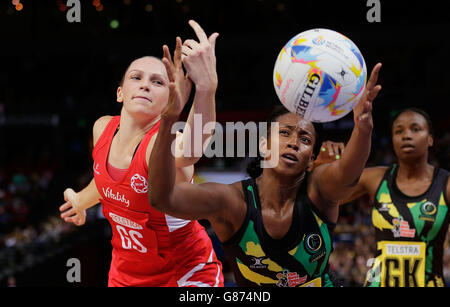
{"x": 254, "y": 169}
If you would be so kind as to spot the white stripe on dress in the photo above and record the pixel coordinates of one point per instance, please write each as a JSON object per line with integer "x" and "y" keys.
{"x": 182, "y": 282}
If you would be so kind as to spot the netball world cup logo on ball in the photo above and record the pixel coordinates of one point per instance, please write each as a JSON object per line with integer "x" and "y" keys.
{"x": 139, "y": 183}
{"x": 319, "y": 40}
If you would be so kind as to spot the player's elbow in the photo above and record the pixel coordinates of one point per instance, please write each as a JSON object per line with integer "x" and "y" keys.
{"x": 155, "y": 201}
{"x": 186, "y": 161}
{"x": 350, "y": 183}
{"x": 347, "y": 175}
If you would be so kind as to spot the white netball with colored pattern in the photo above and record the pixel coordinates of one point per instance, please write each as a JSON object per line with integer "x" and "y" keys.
{"x": 320, "y": 75}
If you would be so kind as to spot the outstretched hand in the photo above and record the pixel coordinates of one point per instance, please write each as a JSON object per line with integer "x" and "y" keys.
{"x": 70, "y": 211}
{"x": 179, "y": 83}
{"x": 199, "y": 58}
{"x": 329, "y": 152}
{"x": 362, "y": 113}
{"x": 175, "y": 67}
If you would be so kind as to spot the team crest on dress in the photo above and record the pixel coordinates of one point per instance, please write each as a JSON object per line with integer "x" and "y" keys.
{"x": 139, "y": 184}
{"x": 313, "y": 242}
{"x": 428, "y": 211}
{"x": 314, "y": 246}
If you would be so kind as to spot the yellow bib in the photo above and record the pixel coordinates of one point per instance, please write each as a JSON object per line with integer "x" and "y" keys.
{"x": 402, "y": 264}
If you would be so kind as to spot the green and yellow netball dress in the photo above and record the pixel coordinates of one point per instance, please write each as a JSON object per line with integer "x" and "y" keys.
{"x": 298, "y": 259}
{"x": 410, "y": 234}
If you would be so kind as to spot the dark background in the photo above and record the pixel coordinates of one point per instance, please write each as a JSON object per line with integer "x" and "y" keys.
{"x": 57, "y": 78}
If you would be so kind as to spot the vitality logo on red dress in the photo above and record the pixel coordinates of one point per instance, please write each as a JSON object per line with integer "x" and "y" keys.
{"x": 139, "y": 183}
{"x": 115, "y": 196}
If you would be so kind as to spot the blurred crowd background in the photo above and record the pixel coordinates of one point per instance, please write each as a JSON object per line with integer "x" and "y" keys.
{"x": 57, "y": 78}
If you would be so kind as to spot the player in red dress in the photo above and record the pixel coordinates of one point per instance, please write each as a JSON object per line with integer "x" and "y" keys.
{"x": 151, "y": 248}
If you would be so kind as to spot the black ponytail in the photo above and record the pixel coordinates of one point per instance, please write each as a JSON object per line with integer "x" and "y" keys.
{"x": 254, "y": 167}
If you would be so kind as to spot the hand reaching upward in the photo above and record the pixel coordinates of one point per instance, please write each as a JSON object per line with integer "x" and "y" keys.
{"x": 362, "y": 112}
{"x": 179, "y": 86}
{"x": 199, "y": 58}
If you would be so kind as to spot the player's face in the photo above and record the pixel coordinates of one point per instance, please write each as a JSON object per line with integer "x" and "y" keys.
{"x": 411, "y": 136}
{"x": 295, "y": 141}
{"x": 145, "y": 88}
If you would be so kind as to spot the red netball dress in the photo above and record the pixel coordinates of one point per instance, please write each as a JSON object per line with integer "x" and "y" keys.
{"x": 150, "y": 248}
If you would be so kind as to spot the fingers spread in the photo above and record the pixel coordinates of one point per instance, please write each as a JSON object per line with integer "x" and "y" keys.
{"x": 336, "y": 148}
{"x": 68, "y": 213}
{"x": 374, "y": 77}
{"x": 65, "y": 206}
{"x": 169, "y": 68}
{"x": 198, "y": 31}
{"x": 212, "y": 39}
{"x": 177, "y": 54}
{"x": 368, "y": 107}
{"x": 341, "y": 148}
{"x": 79, "y": 220}
{"x": 68, "y": 220}
{"x": 333, "y": 148}
{"x": 166, "y": 54}
{"x": 373, "y": 93}
{"x": 171, "y": 91}
{"x": 330, "y": 148}
{"x": 186, "y": 51}
{"x": 191, "y": 43}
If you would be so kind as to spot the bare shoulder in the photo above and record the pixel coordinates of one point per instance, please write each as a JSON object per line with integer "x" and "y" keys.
{"x": 99, "y": 126}
{"x": 188, "y": 167}
{"x": 368, "y": 182}
{"x": 228, "y": 199}
{"x": 374, "y": 173}
{"x": 150, "y": 145}
{"x": 371, "y": 178}
{"x": 236, "y": 190}
{"x": 233, "y": 210}
{"x": 236, "y": 198}
{"x": 231, "y": 193}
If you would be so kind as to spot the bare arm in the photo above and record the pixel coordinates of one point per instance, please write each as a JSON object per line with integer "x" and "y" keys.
{"x": 336, "y": 181}
{"x": 76, "y": 204}
{"x": 183, "y": 200}
{"x": 212, "y": 201}
{"x": 367, "y": 184}
{"x": 74, "y": 209}
{"x": 329, "y": 152}
{"x": 202, "y": 118}
{"x": 200, "y": 63}
{"x": 370, "y": 177}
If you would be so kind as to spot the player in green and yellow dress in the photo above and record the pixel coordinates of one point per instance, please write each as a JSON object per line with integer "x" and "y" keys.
{"x": 276, "y": 227}
{"x": 410, "y": 212}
